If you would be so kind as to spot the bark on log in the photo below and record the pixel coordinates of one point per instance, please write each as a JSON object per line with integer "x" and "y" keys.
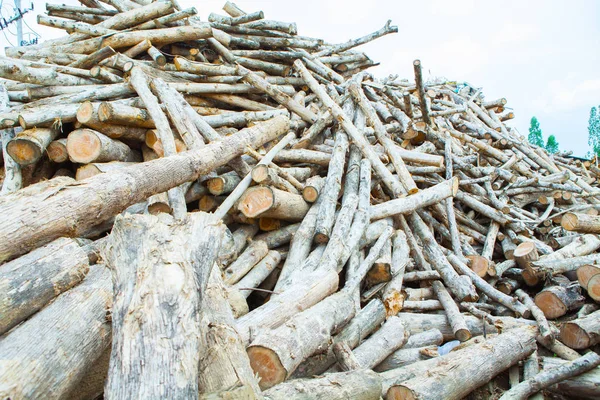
{"x": 556, "y": 301}
{"x": 28, "y": 283}
{"x": 359, "y": 385}
{"x": 105, "y": 195}
{"x": 551, "y": 376}
{"x": 582, "y": 332}
{"x": 174, "y": 275}
{"x": 460, "y": 375}
{"x": 581, "y": 223}
{"x": 28, "y": 146}
{"x": 55, "y": 365}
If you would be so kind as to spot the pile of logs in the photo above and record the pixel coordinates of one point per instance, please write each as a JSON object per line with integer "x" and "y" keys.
{"x": 225, "y": 209}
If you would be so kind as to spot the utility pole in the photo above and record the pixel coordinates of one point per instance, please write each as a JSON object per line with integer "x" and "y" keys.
{"x": 19, "y": 23}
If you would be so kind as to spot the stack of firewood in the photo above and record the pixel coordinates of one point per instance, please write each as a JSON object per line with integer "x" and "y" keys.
{"x": 230, "y": 210}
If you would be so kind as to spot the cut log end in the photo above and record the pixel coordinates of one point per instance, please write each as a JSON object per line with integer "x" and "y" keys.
{"x": 530, "y": 277}
{"x": 585, "y": 273}
{"x": 57, "y": 151}
{"x": 24, "y": 152}
{"x": 266, "y": 364}
{"x": 158, "y": 208}
{"x": 83, "y": 146}
{"x": 321, "y": 238}
{"x": 574, "y": 336}
{"x": 479, "y": 265}
{"x": 550, "y": 304}
{"x": 85, "y": 113}
{"x": 593, "y": 288}
{"x": 463, "y": 335}
{"x": 570, "y": 221}
{"x": 379, "y": 273}
{"x": 310, "y": 194}
{"x": 400, "y": 392}
{"x": 256, "y": 202}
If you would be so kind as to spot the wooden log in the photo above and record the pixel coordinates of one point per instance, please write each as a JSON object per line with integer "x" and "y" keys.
{"x": 55, "y": 365}
{"x": 331, "y": 189}
{"x": 584, "y": 386}
{"x": 34, "y": 279}
{"x": 556, "y": 301}
{"x": 317, "y": 286}
{"x": 89, "y": 170}
{"x": 360, "y": 385}
{"x": 423, "y": 198}
{"x": 406, "y": 356}
{"x": 366, "y": 320}
{"x": 87, "y": 146}
{"x": 109, "y": 194}
{"x": 224, "y": 363}
{"x": 389, "y": 338}
{"x": 455, "y": 318}
{"x": 581, "y": 223}
{"x": 276, "y": 354}
{"x": 265, "y": 201}
{"x": 258, "y": 273}
{"x": 581, "y": 333}
{"x": 346, "y": 361}
{"x": 543, "y": 326}
{"x": 255, "y": 252}
{"x": 29, "y": 145}
{"x": 551, "y": 376}
{"x": 458, "y": 376}
{"x": 461, "y": 287}
{"x": 586, "y": 275}
{"x": 392, "y": 295}
{"x": 185, "y": 254}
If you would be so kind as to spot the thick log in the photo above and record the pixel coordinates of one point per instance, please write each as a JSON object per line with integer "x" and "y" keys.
{"x": 459, "y": 376}
{"x": 423, "y": 198}
{"x": 57, "y": 151}
{"x": 583, "y": 223}
{"x": 165, "y": 286}
{"x": 28, "y": 146}
{"x": 556, "y": 301}
{"x": 224, "y": 364}
{"x": 551, "y": 376}
{"x": 584, "y": 386}
{"x": 359, "y": 385}
{"x": 86, "y": 146}
{"x": 582, "y": 332}
{"x": 55, "y": 365}
{"x": 276, "y": 354}
{"x": 31, "y": 281}
{"x": 389, "y": 338}
{"x": 265, "y": 201}
{"x": 105, "y": 195}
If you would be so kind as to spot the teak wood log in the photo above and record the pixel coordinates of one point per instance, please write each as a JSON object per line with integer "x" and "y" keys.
{"x": 164, "y": 285}
{"x": 109, "y": 194}
{"x": 87, "y": 146}
{"x": 54, "y": 366}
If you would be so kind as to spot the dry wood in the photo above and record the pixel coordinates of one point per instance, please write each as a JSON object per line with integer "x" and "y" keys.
{"x": 582, "y": 332}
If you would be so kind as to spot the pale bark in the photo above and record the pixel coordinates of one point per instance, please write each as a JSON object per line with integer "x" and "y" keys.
{"x": 551, "y": 376}
{"x": 174, "y": 275}
{"x": 255, "y": 252}
{"x": 359, "y": 385}
{"x": 31, "y": 281}
{"x": 585, "y": 386}
{"x": 460, "y": 374}
{"x": 105, "y": 195}
{"x": 70, "y": 346}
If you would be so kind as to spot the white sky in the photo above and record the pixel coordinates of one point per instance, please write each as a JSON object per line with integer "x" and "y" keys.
{"x": 543, "y": 56}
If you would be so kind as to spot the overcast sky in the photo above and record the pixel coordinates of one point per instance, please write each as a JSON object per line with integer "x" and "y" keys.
{"x": 542, "y": 56}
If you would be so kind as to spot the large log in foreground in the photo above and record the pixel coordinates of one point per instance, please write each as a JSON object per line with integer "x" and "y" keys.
{"x": 160, "y": 267}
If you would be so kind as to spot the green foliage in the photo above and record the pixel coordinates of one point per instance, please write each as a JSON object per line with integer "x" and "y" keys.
{"x": 552, "y": 144}
{"x": 535, "y": 133}
{"x": 594, "y": 130}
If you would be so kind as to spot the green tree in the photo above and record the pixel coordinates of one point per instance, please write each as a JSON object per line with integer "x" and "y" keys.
{"x": 552, "y": 144}
{"x": 594, "y": 130}
{"x": 535, "y": 133}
